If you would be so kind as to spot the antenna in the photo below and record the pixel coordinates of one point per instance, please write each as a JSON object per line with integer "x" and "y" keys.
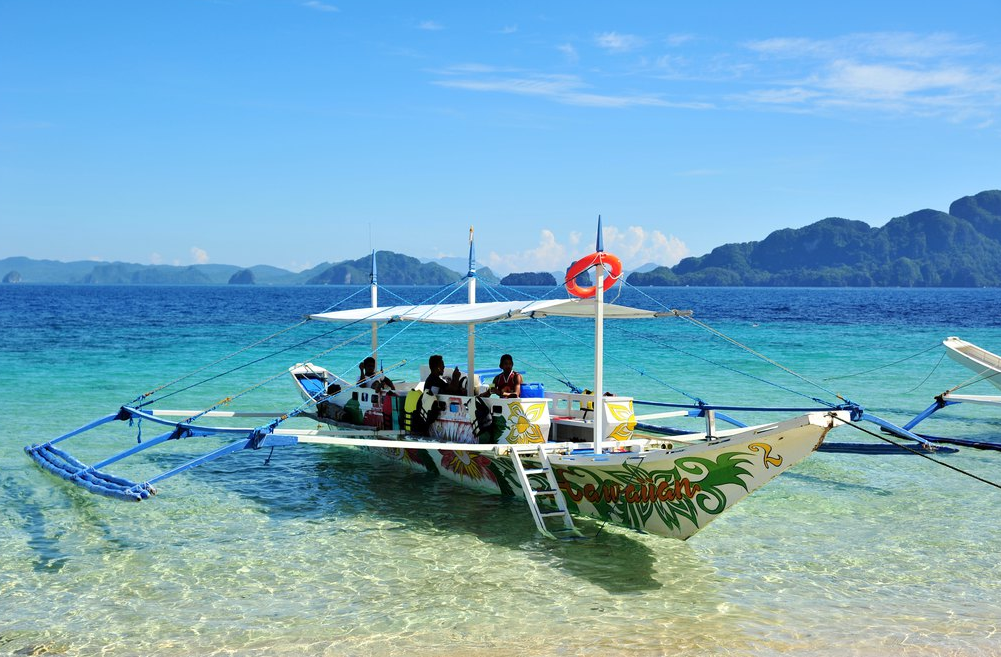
{"x": 599, "y": 244}
{"x": 472, "y": 254}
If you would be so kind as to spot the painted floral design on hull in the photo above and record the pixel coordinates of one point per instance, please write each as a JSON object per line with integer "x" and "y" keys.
{"x": 467, "y": 464}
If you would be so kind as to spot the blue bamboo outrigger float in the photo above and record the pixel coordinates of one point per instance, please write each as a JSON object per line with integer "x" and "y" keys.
{"x": 581, "y": 453}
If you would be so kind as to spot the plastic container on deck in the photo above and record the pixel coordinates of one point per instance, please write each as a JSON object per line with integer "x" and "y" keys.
{"x": 532, "y": 390}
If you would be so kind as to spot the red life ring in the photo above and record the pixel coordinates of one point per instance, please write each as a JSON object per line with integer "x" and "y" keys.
{"x": 599, "y": 258}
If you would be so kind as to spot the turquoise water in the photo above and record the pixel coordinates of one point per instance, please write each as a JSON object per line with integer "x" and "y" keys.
{"x": 327, "y": 551}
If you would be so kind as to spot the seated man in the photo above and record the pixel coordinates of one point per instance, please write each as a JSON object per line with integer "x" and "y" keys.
{"x": 369, "y": 378}
{"x": 508, "y": 382}
{"x": 437, "y": 382}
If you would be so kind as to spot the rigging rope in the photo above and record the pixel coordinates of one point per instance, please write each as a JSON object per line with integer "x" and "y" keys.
{"x": 875, "y": 369}
{"x": 565, "y": 380}
{"x": 268, "y": 380}
{"x": 923, "y": 455}
{"x": 726, "y": 367}
{"x": 977, "y": 378}
{"x": 738, "y": 344}
{"x": 232, "y": 355}
{"x": 638, "y": 370}
{"x": 941, "y": 358}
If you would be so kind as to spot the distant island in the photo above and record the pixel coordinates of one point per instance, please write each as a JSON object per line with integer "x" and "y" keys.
{"x": 927, "y": 248}
{"x": 530, "y": 278}
{"x": 393, "y": 269}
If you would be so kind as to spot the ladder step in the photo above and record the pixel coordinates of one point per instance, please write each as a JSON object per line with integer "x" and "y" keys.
{"x": 547, "y": 491}
{"x": 534, "y": 471}
{"x": 550, "y": 514}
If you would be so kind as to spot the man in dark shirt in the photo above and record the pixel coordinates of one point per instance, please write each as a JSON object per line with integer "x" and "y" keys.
{"x": 436, "y": 382}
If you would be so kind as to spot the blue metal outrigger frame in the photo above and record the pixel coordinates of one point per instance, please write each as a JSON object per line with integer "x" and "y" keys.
{"x": 91, "y": 478}
{"x": 712, "y": 412}
{"x": 949, "y": 399}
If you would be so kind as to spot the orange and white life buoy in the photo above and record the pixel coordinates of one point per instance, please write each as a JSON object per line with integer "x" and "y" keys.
{"x": 599, "y": 258}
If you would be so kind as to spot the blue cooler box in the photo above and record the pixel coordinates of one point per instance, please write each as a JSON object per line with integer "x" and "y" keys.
{"x": 532, "y": 390}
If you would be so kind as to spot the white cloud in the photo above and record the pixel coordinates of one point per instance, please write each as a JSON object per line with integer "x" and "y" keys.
{"x": 615, "y": 42}
{"x": 895, "y": 45}
{"x": 889, "y": 72}
{"x": 320, "y": 6}
{"x": 200, "y": 256}
{"x": 549, "y": 255}
{"x": 676, "y": 40}
{"x": 509, "y": 29}
{"x": 567, "y": 89}
{"x": 155, "y": 258}
{"x": 635, "y": 246}
{"x": 297, "y": 266}
{"x": 877, "y": 74}
{"x": 569, "y": 52}
{"x": 430, "y": 26}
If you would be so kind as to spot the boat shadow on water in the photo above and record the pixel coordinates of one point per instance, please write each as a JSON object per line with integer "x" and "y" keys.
{"x": 332, "y": 484}
{"x": 48, "y": 516}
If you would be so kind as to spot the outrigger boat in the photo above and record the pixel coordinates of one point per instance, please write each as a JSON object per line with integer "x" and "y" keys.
{"x": 568, "y": 455}
{"x": 986, "y": 366}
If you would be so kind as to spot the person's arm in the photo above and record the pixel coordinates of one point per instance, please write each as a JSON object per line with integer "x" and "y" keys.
{"x": 517, "y": 385}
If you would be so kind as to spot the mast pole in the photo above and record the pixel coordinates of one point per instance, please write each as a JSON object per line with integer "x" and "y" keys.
{"x": 599, "y": 344}
{"x": 374, "y": 283}
{"x": 471, "y": 328}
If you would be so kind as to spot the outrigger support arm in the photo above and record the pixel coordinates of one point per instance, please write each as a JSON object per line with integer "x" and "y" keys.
{"x": 92, "y": 479}
{"x": 939, "y": 404}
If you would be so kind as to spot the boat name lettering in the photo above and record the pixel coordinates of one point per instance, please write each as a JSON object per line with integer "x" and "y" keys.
{"x": 632, "y": 493}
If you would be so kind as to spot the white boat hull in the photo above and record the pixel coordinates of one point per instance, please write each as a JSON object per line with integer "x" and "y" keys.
{"x": 672, "y": 491}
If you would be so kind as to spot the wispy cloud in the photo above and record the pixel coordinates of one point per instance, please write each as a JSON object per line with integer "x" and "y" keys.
{"x": 508, "y": 29}
{"x": 676, "y": 40}
{"x": 879, "y": 74}
{"x": 430, "y": 26}
{"x": 615, "y": 42}
{"x": 319, "y": 6}
{"x": 569, "y": 52}
{"x": 155, "y": 258}
{"x": 901, "y": 45}
{"x": 926, "y": 75}
{"x": 567, "y": 89}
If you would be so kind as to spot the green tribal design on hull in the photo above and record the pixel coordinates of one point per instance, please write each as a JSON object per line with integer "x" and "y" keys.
{"x": 632, "y": 495}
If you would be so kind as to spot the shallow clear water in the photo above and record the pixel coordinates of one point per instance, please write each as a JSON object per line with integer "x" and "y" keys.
{"x": 325, "y": 550}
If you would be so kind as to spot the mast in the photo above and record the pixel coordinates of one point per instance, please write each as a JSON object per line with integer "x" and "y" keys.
{"x": 599, "y": 343}
{"x": 374, "y": 283}
{"x": 471, "y": 337}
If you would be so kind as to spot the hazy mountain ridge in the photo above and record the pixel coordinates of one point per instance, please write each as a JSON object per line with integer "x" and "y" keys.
{"x": 927, "y": 248}
{"x": 394, "y": 269}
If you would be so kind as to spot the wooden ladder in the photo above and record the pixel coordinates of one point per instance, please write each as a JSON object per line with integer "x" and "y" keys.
{"x": 568, "y": 531}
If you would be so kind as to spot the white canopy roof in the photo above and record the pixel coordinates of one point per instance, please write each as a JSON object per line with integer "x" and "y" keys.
{"x": 494, "y": 311}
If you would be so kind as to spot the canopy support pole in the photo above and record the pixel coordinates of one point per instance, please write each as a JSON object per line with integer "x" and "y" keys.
{"x": 599, "y": 346}
{"x": 374, "y": 283}
{"x": 471, "y": 328}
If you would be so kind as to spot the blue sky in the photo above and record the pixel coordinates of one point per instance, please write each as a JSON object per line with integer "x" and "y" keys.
{"x": 292, "y": 132}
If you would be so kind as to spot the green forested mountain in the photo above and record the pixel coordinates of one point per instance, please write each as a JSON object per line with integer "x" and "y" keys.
{"x": 530, "y": 278}
{"x": 393, "y": 269}
{"x": 927, "y": 248}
